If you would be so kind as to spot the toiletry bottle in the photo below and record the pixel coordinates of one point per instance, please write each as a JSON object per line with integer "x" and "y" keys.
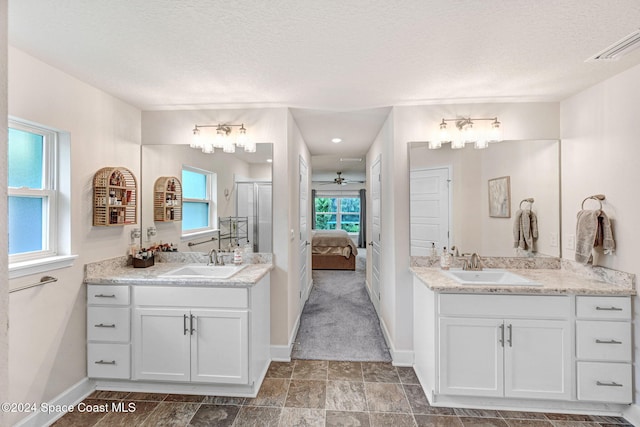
{"x": 434, "y": 251}
{"x": 445, "y": 261}
{"x": 237, "y": 255}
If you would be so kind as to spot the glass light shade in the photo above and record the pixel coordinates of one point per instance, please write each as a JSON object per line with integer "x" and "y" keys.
{"x": 480, "y": 144}
{"x": 219, "y": 140}
{"x": 196, "y": 139}
{"x": 495, "y": 133}
{"x": 229, "y": 146}
{"x": 443, "y": 134}
{"x": 208, "y": 148}
{"x": 434, "y": 145}
{"x": 469, "y": 134}
{"x": 457, "y": 143}
{"x": 242, "y": 137}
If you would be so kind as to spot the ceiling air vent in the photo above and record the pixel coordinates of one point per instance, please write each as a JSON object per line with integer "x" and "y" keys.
{"x": 618, "y": 49}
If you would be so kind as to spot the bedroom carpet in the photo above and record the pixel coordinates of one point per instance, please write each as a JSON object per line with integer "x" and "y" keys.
{"x": 339, "y": 321}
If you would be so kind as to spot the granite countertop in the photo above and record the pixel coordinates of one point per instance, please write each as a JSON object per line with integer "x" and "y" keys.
{"x": 554, "y": 281}
{"x": 151, "y": 276}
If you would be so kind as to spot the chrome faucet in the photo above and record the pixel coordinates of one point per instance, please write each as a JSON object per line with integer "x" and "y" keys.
{"x": 213, "y": 257}
{"x": 474, "y": 263}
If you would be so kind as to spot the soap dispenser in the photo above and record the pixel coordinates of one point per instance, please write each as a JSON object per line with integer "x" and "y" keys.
{"x": 445, "y": 259}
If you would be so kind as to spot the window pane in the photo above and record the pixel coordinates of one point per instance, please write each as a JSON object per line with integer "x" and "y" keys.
{"x": 350, "y": 223}
{"x": 325, "y": 222}
{"x": 195, "y": 215}
{"x": 25, "y": 224}
{"x": 194, "y": 185}
{"x": 326, "y": 204}
{"x": 350, "y": 205}
{"x": 25, "y": 159}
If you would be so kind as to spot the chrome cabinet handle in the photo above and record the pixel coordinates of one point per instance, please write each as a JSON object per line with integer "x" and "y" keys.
{"x": 608, "y": 342}
{"x": 612, "y": 308}
{"x": 501, "y": 340}
{"x": 103, "y": 362}
{"x": 193, "y": 329}
{"x": 184, "y": 324}
{"x": 105, "y": 296}
{"x": 510, "y": 340}
{"x": 102, "y": 325}
{"x": 611, "y": 384}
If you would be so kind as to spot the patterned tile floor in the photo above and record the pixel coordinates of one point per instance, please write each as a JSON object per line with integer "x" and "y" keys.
{"x": 317, "y": 393}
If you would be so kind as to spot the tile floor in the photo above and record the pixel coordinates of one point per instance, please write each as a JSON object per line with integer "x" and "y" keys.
{"x": 317, "y": 393}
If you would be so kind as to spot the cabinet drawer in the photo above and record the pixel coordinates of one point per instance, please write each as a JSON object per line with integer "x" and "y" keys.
{"x": 604, "y": 382}
{"x": 108, "y": 361}
{"x": 603, "y": 307}
{"x": 513, "y": 306}
{"x": 107, "y": 295}
{"x": 191, "y": 297}
{"x": 608, "y": 341}
{"x": 110, "y": 324}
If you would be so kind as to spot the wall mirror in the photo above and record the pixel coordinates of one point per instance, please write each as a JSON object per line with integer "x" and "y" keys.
{"x": 240, "y": 187}
{"x": 450, "y": 197}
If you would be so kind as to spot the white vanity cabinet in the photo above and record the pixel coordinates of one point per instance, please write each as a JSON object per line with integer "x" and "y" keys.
{"x": 200, "y": 334}
{"x": 108, "y": 332}
{"x": 504, "y": 346}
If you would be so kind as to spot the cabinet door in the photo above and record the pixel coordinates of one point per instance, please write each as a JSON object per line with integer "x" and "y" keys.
{"x": 470, "y": 357}
{"x": 220, "y": 346}
{"x": 161, "y": 344}
{"x": 537, "y": 359}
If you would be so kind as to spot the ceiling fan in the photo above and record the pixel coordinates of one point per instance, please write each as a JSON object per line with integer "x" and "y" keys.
{"x": 341, "y": 181}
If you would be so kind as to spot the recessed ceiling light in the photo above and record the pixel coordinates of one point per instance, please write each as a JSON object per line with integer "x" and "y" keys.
{"x": 269, "y": 160}
{"x": 351, "y": 159}
{"x": 336, "y": 140}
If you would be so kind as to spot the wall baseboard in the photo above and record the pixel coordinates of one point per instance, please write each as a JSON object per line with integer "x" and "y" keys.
{"x": 282, "y": 353}
{"x": 398, "y": 357}
{"x": 71, "y": 396}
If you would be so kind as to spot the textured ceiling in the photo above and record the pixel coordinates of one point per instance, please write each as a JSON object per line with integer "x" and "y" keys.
{"x": 330, "y": 55}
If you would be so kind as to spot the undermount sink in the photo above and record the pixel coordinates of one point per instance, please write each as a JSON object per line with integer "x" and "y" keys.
{"x": 491, "y": 276}
{"x": 204, "y": 271}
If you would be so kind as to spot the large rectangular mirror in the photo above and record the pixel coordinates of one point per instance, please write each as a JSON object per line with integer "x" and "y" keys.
{"x": 450, "y": 197}
{"x": 233, "y": 186}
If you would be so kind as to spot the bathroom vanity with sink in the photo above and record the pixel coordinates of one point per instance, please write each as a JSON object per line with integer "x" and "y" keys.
{"x": 179, "y": 328}
{"x": 552, "y": 339}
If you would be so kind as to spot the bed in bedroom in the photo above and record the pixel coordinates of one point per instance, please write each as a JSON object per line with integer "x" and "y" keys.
{"x": 332, "y": 250}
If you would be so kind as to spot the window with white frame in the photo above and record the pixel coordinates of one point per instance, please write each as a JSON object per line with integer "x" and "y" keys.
{"x": 33, "y": 192}
{"x": 198, "y": 200}
{"x": 337, "y": 212}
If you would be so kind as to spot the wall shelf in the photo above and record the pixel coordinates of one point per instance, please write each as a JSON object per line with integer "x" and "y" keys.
{"x": 115, "y": 197}
{"x": 167, "y": 199}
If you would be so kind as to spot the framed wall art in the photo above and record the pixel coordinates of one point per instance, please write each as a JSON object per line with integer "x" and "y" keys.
{"x": 500, "y": 197}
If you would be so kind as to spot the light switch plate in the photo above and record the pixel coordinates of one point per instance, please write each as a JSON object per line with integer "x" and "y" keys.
{"x": 571, "y": 241}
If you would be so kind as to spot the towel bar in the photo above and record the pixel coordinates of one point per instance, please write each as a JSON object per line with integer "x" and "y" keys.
{"x": 528, "y": 200}
{"x": 43, "y": 281}
{"x": 598, "y": 197}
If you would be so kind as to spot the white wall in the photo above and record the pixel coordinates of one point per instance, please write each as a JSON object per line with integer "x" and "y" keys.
{"x": 4, "y": 277}
{"x": 600, "y": 153}
{"x": 47, "y": 334}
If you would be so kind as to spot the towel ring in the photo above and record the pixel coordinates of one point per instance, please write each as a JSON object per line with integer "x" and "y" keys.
{"x": 598, "y": 197}
{"x": 529, "y": 200}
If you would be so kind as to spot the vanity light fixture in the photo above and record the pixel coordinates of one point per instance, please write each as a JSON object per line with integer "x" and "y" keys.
{"x": 222, "y": 138}
{"x": 467, "y": 133}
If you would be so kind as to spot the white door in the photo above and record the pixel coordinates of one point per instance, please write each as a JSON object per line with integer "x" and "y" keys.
{"x": 429, "y": 210}
{"x": 537, "y": 359}
{"x": 376, "y": 194}
{"x": 471, "y": 357}
{"x": 219, "y": 346}
{"x": 264, "y": 217}
{"x": 303, "y": 193}
{"x": 161, "y": 344}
